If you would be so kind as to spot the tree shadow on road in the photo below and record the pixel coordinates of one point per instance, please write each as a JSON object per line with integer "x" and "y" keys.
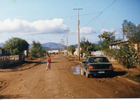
{"x": 20, "y": 64}
{"x": 46, "y": 62}
{"x": 119, "y": 73}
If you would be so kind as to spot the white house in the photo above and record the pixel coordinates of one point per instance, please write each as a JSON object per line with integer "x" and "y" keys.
{"x": 76, "y": 51}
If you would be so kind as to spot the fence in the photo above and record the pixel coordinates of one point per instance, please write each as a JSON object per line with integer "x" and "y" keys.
{"x": 7, "y": 60}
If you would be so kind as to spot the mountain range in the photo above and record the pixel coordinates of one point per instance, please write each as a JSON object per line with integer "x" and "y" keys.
{"x": 48, "y": 46}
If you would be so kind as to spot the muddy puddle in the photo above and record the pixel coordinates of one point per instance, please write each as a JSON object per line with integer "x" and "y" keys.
{"x": 77, "y": 70}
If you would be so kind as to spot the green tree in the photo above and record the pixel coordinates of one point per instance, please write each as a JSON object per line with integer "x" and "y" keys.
{"x": 87, "y": 47}
{"x": 131, "y": 31}
{"x": 103, "y": 45}
{"x": 107, "y": 37}
{"x": 128, "y": 57}
{"x": 37, "y": 50}
{"x": 16, "y": 45}
{"x": 72, "y": 49}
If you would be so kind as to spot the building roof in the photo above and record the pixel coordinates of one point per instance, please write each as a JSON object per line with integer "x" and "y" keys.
{"x": 119, "y": 42}
{"x": 1, "y": 47}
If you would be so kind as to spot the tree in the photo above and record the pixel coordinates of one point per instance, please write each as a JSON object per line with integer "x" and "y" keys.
{"x": 72, "y": 49}
{"x": 87, "y": 47}
{"x": 16, "y": 46}
{"x": 127, "y": 56}
{"x": 131, "y": 31}
{"x": 37, "y": 50}
{"x": 107, "y": 37}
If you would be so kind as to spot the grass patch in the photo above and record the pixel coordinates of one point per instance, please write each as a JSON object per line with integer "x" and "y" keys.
{"x": 138, "y": 80}
{"x": 134, "y": 78}
{"x": 128, "y": 76}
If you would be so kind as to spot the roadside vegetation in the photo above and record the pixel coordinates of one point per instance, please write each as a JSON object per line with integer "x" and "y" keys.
{"x": 37, "y": 50}
{"x": 16, "y": 46}
{"x": 87, "y": 47}
{"x": 125, "y": 54}
{"x": 71, "y": 49}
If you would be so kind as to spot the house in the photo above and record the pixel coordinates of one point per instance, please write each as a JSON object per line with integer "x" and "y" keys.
{"x": 116, "y": 45}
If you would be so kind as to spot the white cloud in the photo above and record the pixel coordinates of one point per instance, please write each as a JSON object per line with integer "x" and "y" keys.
{"x": 116, "y": 31}
{"x": 87, "y": 30}
{"x": 18, "y": 26}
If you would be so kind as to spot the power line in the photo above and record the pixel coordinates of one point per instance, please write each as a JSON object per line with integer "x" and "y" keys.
{"x": 76, "y": 15}
{"x": 94, "y": 17}
{"x": 100, "y": 13}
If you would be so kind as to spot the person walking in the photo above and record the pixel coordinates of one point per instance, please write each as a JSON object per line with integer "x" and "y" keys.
{"x": 48, "y": 63}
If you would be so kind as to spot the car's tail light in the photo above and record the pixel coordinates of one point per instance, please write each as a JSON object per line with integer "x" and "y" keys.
{"x": 90, "y": 67}
{"x": 111, "y": 67}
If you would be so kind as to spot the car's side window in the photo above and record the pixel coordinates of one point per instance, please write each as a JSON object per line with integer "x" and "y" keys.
{"x": 91, "y": 60}
{"x": 105, "y": 60}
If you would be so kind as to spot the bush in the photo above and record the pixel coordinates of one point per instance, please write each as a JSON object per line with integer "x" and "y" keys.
{"x": 37, "y": 50}
{"x": 126, "y": 56}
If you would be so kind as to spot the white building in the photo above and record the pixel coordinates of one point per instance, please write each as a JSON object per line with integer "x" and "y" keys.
{"x": 76, "y": 53}
{"x": 53, "y": 51}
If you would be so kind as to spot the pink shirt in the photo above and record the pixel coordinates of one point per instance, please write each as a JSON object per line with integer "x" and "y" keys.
{"x": 48, "y": 60}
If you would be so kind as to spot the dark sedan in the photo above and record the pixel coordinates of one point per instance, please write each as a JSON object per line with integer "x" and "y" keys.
{"x": 97, "y": 65}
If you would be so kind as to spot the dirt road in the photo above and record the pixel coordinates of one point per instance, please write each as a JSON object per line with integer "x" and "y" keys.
{"x": 63, "y": 81}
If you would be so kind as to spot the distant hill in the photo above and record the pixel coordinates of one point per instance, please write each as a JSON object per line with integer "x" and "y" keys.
{"x": 1, "y": 44}
{"x": 47, "y": 46}
{"x": 51, "y": 45}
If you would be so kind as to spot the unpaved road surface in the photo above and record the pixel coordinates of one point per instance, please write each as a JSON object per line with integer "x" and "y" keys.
{"x": 62, "y": 81}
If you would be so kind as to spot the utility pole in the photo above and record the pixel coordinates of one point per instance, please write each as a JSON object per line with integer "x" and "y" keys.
{"x": 60, "y": 45}
{"x": 67, "y": 40}
{"x": 78, "y": 31}
{"x": 61, "y": 49}
{"x": 63, "y": 43}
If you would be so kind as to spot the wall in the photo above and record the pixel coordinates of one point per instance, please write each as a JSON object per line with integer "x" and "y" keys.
{"x": 7, "y": 60}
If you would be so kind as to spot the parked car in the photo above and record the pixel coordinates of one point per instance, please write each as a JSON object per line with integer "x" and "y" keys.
{"x": 97, "y": 65}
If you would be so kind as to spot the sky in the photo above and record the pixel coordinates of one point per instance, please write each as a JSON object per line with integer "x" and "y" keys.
{"x": 47, "y": 20}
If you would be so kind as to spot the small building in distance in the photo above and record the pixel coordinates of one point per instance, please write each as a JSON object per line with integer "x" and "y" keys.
{"x": 53, "y": 51}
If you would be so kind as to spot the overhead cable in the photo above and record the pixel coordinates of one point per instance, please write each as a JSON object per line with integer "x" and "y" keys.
{"x": 100, "y": 13}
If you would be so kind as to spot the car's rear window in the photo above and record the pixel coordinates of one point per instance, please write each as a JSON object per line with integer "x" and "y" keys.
{"x": 98, "y": 59}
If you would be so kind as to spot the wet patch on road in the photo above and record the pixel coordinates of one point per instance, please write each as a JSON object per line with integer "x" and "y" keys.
{"x": 76, "y": 70}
